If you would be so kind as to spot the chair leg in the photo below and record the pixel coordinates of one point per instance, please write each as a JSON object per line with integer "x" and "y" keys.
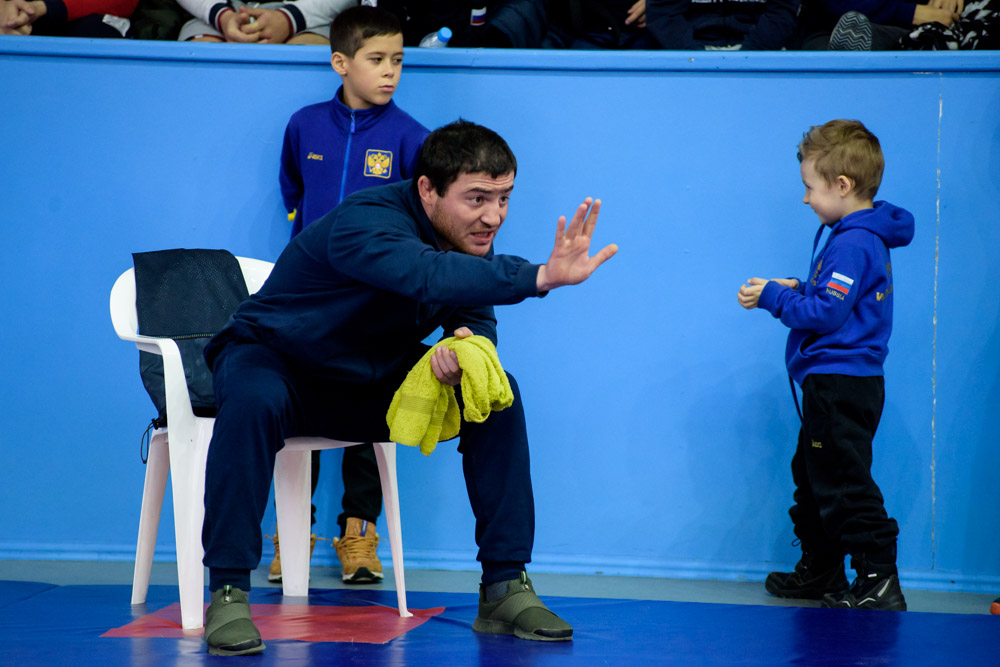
{"x": 385, "y": 454}
{"x": 188, "y": 460}
{"x": 157, "y": 467}
{"x": 291, "y": 499}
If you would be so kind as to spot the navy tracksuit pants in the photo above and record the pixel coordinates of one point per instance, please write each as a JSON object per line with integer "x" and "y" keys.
{"x": 263, "y": 398}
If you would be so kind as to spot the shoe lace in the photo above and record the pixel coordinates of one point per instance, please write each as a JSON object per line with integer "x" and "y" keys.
{"x": 355, "y": 546}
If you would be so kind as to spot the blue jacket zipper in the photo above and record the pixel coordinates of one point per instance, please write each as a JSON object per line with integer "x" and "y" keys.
{"x": 347, "y": 157}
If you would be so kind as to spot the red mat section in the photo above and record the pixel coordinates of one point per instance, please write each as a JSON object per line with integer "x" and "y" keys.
{"x": 308, "y": 623}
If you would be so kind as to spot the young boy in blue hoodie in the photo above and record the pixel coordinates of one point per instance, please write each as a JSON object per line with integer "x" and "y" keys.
{"x": 358, "y": 139}
{"x": 840, "y": 321}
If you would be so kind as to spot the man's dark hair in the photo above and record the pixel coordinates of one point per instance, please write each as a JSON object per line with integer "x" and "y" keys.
{"x": 353, "y": 26}
{"x": 460, "y": 148}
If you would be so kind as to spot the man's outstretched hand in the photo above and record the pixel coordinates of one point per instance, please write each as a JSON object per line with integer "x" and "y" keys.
{"x": 570, "y": 262}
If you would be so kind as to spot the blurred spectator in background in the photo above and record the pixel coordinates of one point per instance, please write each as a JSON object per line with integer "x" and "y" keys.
{"x": 518, "y": 24}
{"x": 597, "y": 24}
{"x": 526, "y": 24}
{"x": 158, "y": 19}
{"x": 66, "y": 18}
{"x": 869, "y": 25}
{"x": 757, "y": 25}
{"x": 977, "y": 27}
{"x": 297, "y": 22}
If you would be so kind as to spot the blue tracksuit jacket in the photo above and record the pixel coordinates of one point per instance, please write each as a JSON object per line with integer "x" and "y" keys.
{"x": 331, "y": 151}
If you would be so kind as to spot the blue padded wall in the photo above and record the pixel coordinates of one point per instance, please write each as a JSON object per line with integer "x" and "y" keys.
{"x": 659, "y": 411}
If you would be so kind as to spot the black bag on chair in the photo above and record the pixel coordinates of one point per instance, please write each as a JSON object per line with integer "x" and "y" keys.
{"x": 187, "y": 295}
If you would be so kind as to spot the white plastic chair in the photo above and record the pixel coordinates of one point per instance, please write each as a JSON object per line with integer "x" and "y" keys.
{"x": 183, "y": 449}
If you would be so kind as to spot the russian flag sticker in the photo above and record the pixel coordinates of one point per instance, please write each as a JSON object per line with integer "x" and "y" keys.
{"x": 840, "y": 282}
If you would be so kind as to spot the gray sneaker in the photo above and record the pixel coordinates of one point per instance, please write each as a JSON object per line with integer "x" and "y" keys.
{"x": 228, "y": 628}
{"x": 853, "y": 32}
{"x": 520, "y": 613}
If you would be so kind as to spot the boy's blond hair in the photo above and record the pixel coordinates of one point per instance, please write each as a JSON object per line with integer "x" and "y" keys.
{"x": 845, "y": 148}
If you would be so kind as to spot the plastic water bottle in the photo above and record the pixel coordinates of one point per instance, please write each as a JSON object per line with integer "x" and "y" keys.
{"x": 437, "y": 39}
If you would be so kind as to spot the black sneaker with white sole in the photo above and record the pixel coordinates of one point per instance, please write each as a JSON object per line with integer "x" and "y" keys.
{"x": 871, "y": 590}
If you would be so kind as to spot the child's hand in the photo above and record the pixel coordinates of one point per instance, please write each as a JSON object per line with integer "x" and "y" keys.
{"x": 749, "y": 294}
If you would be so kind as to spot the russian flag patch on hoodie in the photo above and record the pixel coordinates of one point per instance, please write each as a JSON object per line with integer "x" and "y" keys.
{"x": 840, "y": 282}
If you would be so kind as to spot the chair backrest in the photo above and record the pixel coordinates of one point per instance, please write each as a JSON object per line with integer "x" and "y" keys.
{"x": 255, "y": 272}
{"x": 123, "y": 312}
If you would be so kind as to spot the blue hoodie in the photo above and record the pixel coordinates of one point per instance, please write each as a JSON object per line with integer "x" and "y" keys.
{"x": 841, "y": 318}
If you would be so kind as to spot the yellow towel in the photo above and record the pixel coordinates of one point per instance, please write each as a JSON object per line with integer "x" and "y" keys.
{"x": 424, "y": 412}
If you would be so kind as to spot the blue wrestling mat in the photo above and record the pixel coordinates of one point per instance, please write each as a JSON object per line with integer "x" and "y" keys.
{"x": 42, "y": 624}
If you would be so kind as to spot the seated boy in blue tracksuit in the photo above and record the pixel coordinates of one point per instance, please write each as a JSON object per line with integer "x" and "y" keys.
{"x": 840, "y": 322}
{"x": 358, "y": 139}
